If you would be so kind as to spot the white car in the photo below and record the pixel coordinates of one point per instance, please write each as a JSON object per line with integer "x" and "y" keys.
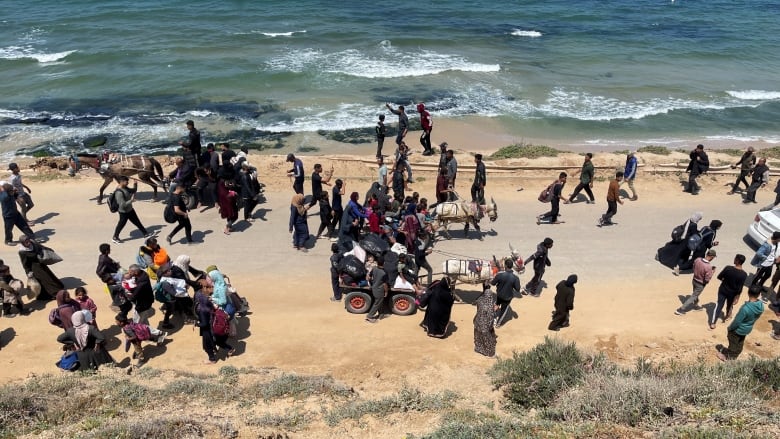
{"x": 764, "y": 224}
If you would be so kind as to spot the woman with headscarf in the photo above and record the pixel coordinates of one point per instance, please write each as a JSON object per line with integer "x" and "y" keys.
{"x": 298, "y": 225}
{"x": 673, "y": 253}
{"x": 66, "y": 307}
{"x": 564, "y": 303}
{"x": 227, "y": 199}
{"x": 438, "y": 299}
{"x": 181, "y": 269}
{"x": 86, "y": 340}
{"x": 709, "y": 236}
{"x": 219, "y": 294}
{"x": 28, "y": 254}
{"x": 484, "y": 331}
{"x": 204, "y": 306}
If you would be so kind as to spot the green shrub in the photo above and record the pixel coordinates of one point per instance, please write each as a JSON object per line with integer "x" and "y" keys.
{"x": 652, "y": 149}
{"x": 295, "y": 386}
{"x": 535, "y": 378}
{"x": 522, "y": 150}
{"x": 772, "y": 153}
{"x": 731, "y": 151}
{"x": 406, "y": 400}
{"x": 308, "y": 149}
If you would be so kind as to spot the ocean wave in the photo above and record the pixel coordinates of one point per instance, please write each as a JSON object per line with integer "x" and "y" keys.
{"x": 282, "y": 34}
{"x": 526, "y": 33}
{"x": 20, "y": 52}
{"x": 755, "y": 95}
{"x": 385, "y": 62}
{"x": 585, "y": 106}
{"x": 751, "y": 139}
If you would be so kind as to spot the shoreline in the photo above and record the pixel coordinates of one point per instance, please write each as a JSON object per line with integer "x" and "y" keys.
{"x": 469, "y": 133}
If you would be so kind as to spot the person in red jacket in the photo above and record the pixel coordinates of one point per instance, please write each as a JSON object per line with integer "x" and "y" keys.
{"x": 427, "y": 126}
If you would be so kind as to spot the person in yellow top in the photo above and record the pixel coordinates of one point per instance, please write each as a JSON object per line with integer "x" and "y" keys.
{"x": 613, "y": 197}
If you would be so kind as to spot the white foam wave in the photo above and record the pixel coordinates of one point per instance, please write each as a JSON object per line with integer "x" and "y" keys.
{"x": 19, "y": 52}
{"x": 751, "y": 139}
{"x": 755, "y": 95}
{"x": 283, "y": 34}
{"x": 385, "y": 62}
{"x": 585, "y": 106}
{"x": 526, "y": 33}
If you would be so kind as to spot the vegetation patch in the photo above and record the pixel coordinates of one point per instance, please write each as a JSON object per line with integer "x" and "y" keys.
{"x": 535, "y": 378}
{"x": 406, "y": 400}
{"x": 652, "y": 149}
{"x": 772, "y": 153}
{"x": 526, "y": 151}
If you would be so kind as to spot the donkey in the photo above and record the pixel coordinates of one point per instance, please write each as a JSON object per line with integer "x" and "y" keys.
{"x": 460, "y": 211}
{"x": 148, "y": 169}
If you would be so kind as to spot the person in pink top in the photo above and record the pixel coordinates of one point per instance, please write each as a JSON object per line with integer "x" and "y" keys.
{"x": 702, "y": 273}
{"x": 86, "y": 303}
{"x": 426, "y": 121}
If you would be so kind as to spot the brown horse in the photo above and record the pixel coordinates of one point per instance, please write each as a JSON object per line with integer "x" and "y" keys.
{"x": 148, "y": 169}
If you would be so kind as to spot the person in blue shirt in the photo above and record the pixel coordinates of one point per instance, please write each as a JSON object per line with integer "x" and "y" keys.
{"x": 629, "y": 174}
{"x": 296, "y": 172}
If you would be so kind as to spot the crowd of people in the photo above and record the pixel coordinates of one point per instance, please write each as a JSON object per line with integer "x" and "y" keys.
{"x": 389, "y": 232}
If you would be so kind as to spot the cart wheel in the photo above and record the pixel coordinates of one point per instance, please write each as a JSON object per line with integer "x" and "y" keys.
{"x": 403, "y": 305}
{"x": 357, "y": 302}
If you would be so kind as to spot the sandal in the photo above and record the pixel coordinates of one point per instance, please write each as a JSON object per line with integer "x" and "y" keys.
{"x": 231, "y": 352}
{"x": 712, "y": 327}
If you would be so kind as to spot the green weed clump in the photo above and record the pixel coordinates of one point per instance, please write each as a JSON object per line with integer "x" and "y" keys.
{"x": 406, "y": 400}
{"x": 526, "y": 151}
{"x": 299, "y": 387}
{"x": 535, "y": 378}
{"x": 772, "y": 153}
{"x": 652, "y": 149}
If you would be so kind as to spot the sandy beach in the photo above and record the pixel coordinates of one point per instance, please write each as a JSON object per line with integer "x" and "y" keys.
{"x": 624, "y": 304}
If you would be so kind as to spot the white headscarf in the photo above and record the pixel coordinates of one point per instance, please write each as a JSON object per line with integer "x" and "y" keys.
{"x": 183, "y": 262}
{"x": 696, "y": 217}
{"x": 81, "y": 328}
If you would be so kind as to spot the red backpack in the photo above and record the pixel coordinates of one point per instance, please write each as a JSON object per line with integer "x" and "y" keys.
{"x": 142, "y": 332}
{"x": 220, "y": 322}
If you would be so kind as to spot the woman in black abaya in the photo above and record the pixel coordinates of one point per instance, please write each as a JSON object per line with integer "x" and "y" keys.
{"x": 438, "y": 299}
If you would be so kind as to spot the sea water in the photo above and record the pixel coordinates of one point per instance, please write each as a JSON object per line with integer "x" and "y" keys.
{"x": 639, "y": 71}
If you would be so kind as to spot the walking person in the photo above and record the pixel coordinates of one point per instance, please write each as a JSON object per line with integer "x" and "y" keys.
{"x": 742, "y": 325}
{"x": 586, "y": 180}
{"x": 339, "y": 189}
{"x": 22, "y": 198}
{"x": 124, "y": 198}
{"x": 296, "y": 173}
{"x": 317, "y": 181}
{"x": 249, "y": 190}
{"x": 708, "y": 238}
{"x": 204, "y": 308}
{"x": 426, "y": 122}
{"x": 140, "y": 294}
{"x": 381, "y": 177}
{"x": 702, "y": 274}
{"x": 480, "y": 180}
{"x": 192, "y": 144}
{"x": 403, "y": 122}
{"x": 326, "y": 218}
{"x": 745, "y": 163}
{"x": 182, "y": 217}
{"x": 379, "y": 288}
{"x": 507, "y": 285}
{"x": 732, "y": 279}
{"x": 564, "y": 303}
{"x": 766, "y": 256}
{"x": 760, "y": 178}
{"x": 629, "y": 174}
{"x": 299, "y": 226}
{"x": 485, "y": 338}
{"x": 676, "y": 251}
{"x": 11, "y": 215}
{"x": 540, "y": 263}
{"x": 613, "y": 198}
{"x": 381, "y": 133}
{"x": 551, "y": 217}
{"x": 437, "y": 300}
{"x": 452, "y": 174}
{"x": 698, "y": 165}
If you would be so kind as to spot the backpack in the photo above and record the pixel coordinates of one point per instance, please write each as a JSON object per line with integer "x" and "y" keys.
{"x": 69, "y": 361}
{"x": 140, "y": 260}
{"x": 546, "y": 195}
{"x": 142, "y": 332}
{"x": 677, "y": 233}
{"x": 220, "y": 322}
{"x": 168, "y": 214}
{"x": 113, "y": 204}
{"x": 694, "y": 241}
{"x": 54, "y": 315}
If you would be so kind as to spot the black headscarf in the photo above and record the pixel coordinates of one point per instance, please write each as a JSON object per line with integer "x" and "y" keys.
{"x": 571, "y": 280}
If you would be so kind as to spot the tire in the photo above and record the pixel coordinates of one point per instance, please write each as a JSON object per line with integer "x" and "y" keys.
{"x": 190, "y": 199}
{"x": 403, "y": 305}
{"x": 358, "y": 302}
